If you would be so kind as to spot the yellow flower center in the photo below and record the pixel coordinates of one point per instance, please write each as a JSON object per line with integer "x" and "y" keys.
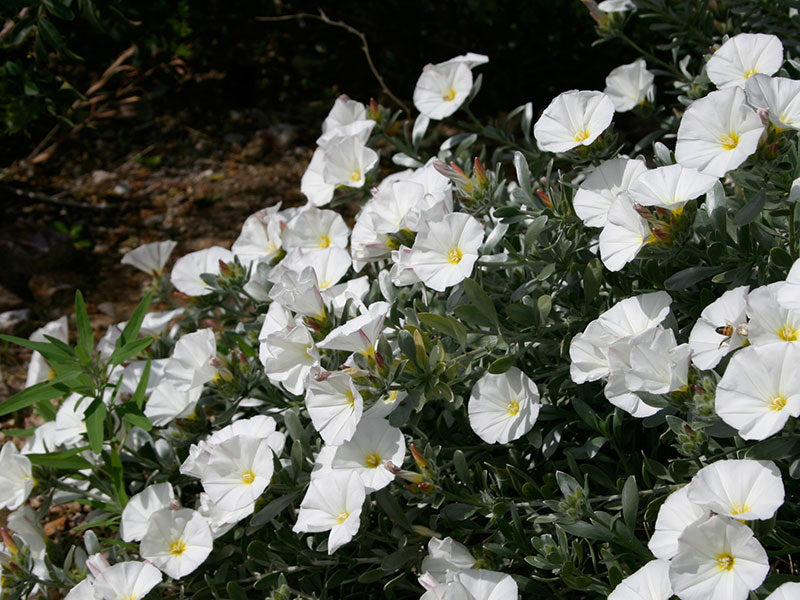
{"x": 738, "y": 509}
{"x": 349, "y": 398}
{"x": 454, "y": 256}
{"x": 342, "y": 517}
{"x": 373, "y": 460}
{"x": 787, "y": 333}
{"x": 583, "y": 134}
{"x": 730, "y": 141}
{"x": 131, "y": 597}
{"x": 51, "y": 375}
{"x": 392, "y": 397}
{"x": 325, "y": 284}
{"x": 355, "y": 175}
{"x": 778, "y": 403}
{"x": 248, "y": 477}
{"x": 177, "y": 547}
{"x": 324, "y": 241}
{"x": 725, "y": 561}
{"x": 512, "y": 408}
{"x": 449, "y": 95}
{"x": 749, "y": 73}
{"x": 308, "y": 356}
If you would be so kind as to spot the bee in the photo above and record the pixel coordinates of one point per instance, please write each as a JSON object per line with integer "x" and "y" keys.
{"x": 729, "y": 329}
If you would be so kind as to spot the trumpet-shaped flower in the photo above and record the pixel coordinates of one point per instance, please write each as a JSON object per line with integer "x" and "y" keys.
{"x": 769, "y": 321}
{"x": 788, "y": 591}
{"x": 347, "y": 161}
{"x": 16, "y": 479}
{"x": 344, "y": 111}
{"x": 150, "y": 258}
{"x": 313, "y": 185}
{"x": 659, "y": 365}
{"x": 779, "y": 95}
{"x": 743, "y": 56}
{"x": 625, "y": 233}
{"x": 167, "y": 403}
{"x": 441, "y": 89}
{"x": 788, "y": 295}
{"x": 718, "y": 132}
{"x": 743, "y": 489}
{"x": 137, "y": 512}
{"x": 610, "y": 180}
{"x": 471, "y": 584}
{"x": 329, "y": 265}
{"x": 373, "y": 443}
{"x": 446, "y": 253}
{"x": 126, "y": 580}
{"x": 360, "y": 333}
{"x": 503, "y": 407}
{"x": 177, "y": 541}
{"x": 651, "y": 582}
{"x": 38, "y": 369}
{"x": 670, "y": 187}
{"x": 238, "y": 471}
{"x": 446, "y": 555}
{"x": 718, "y": 559}
{"x": 186, "y": 272}
{"x": 332, "y": 503}
{"x": 316, "y": 228}
{"x": 335, "y": 407}
{"x": 357, "y": 130}
{"x": 190, "y": 365}
{"x": 288, "y": 358}
{"x": 298, "y": 292}
{"x": 760, "y": 390}
{"x": 260, "y": 239}
{"x": 219, "y": 520}
{"x": 85, "y": 589}
{"x": 630, "y": 85}
{"x": 572, "y": 119}
{"x": 675, "y": 515}
{"x": 726, "y": 313}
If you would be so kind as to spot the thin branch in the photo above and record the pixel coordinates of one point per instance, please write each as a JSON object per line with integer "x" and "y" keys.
{"x": 364, "y": 46}
{"x": 56, "y": 199}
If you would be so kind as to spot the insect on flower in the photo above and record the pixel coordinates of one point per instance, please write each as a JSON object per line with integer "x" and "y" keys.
{"x": 729, "y": 329}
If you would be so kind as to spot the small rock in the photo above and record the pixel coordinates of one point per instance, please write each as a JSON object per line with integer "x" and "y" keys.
{"x": 122, "y": 189}
{"x": 55, "y": 525}
{"x": 107, "y": 308}
{"x": 99, "y": 176}
{"x": 10, "y": 320}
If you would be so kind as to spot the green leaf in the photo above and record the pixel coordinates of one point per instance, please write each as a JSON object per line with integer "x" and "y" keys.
{"x": 501, "y": 365}
{"x": 534, "y": 229}
{"x": 235, "y": 591}
{"x": 129, "y": 350}
{"x": 630, "y": 502}
{"x": 392, "y": 508}
{"x": 293, "y": 425}
{"x": 131, "y": 331}
{"x": 399, "y": 559}
{"x": 588, "y": 531}
{"x": 50, "y": 34}
{"x": 750, "y": 211}
{"x": 67, "y": 460}
{"x": 59, "y": 10}
{"x": 544, "y": 304}
{"x": 592, "y": 279}
{"x": 95, "y": 419}
{"x": 46, "y": 349}
{"x": 85, "y": 335}
{"x": 446, "y": 325}
{"x": 481, "y": 300}
{"x": 46, "y": 390}
{"x": 133, "y": 414}
{"x": 272, "y": 510}
{"x": 460, "y": 463}
{"x": 141, "y": 388}
{"x": 689, "y": 277}
{"x": 118, "y": 478}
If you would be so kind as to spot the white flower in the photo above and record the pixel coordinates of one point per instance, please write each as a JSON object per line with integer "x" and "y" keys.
{"x": 186, "y": 272}
{"x": 260, "y": 239}
{"x": 726, "y": 313}
{"x": 630, "y": 85}
{"x": 329, "y": 265}
{"x": 332, "y": 503}
{"x": 85, "y": 589}
{"x": 608, "y": 181}
{"x": 446, "y": 253}
{"x": 744, "y": 489}
{"x": 670, "y": 187}
{"x": 611, "y": 6}
{"x": 658, "y": 364}
{"x": 769, "y": 321}
{"x": 359, "y": 131}
{"x": 442, "y": 89}
{"x": 298, "y": 292}
{"x": 625, "y": 233}
{"x": 23, "y": 522}
{"x": 373, "y": 443}
{"x": 788, "y": 295}
{"x": 150, "y": 258}
{"x": 788, "y": 591}
{"x": 344, "y": 112}
{"x": 651, "y": 582}
{"x": 16, "y": 478}
{"x": 760, "y": 390}
{"x": 238, "y": 471}
{"x": 288, "y": 357}
{"x": 742, "y": 56}
{"x": 153, "y": 324}
{"x": 503, "y": 407}
{"x": 190, "y": 365}
{"x": 38, "y": 369}
{"x": 360, "y": 333}
{"x": 471, "y": 584}
{"x": 718, "y": 132}
{"x": 446, "y": 555}
{"x": 718, "y": 559}
{"x": 617, "y": 390}
{"x": 219, "y": 520}
{"x": 335, "y": 407}
{"x": 675, "y": 515}
{"x": 347, "y": 161}
{"x": 313, "y": 185}
{"x": 779, "y": 95}
{"x": 126, "y": 580}
{"x": 137, "y": 512}
{"x": 316, "y": 228}
{"x": 574, "y": 118}
{"x": 177, "y": 541}
{"x": 167, "y": 403}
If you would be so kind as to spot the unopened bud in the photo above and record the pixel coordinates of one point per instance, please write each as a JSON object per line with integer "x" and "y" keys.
{"x": 544, "y": 198}
{"x": 479, "y": 174}
{"x": 224, "y": 268}
{"x": 9, "y": 542}
{"x": 419, "y": 458}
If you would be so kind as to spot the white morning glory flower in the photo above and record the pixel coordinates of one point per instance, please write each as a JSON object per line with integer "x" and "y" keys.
{"x": 503, "y": 407}
{"x": 572, "y": 119}
{"x": 743, "y": 56}
{"x": 177, "y": 541}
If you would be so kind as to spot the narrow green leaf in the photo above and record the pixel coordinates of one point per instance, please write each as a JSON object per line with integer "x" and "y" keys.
{"x": 131, "y": 331}
{"x": 95, "y": 419}
{"x": 392, "y": 508}
{"x": 85, "y": 335}
{"x": 235, "y": 591}
{"x": 630, "y": 502}
{"x": 59, "y": 10}
{"x": 141, "y": 388}
{"x": 750, "y": 211}
{"x": 46, "y": 349}
{"x": 118, "y": 478}
{"x": 272, "y": 510}
{"x": 68, "y": 460}
{"x": 446, "y": 325}
{"x": 50, "y": 34}
{"x": 45, "y": 390}
{"x": 460, "y": 463}
{"x": 481, "y": 300}
{"x": 689, "y": 277}
{"x": 133, "y": 414}
{"x": 129, "y": 350}
{"x": 501, "y": 365}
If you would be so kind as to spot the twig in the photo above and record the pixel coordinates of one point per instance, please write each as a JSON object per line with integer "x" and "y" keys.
{"x": 56, "y": 199}
{"x": 364, "y": 46}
